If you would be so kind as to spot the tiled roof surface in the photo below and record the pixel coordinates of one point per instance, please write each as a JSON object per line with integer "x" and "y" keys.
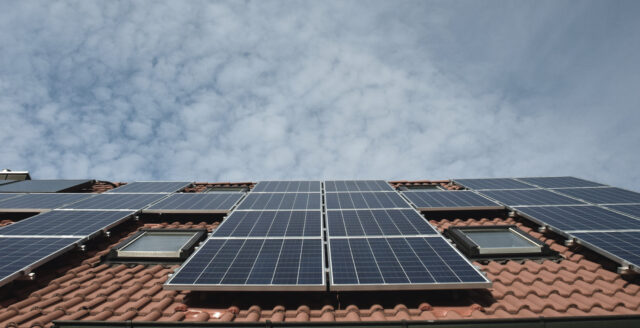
{"x": 81, "y": 286}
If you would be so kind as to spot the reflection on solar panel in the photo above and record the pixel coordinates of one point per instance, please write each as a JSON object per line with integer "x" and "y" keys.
{"x": 65, "y": 223}
{"x": 8, "y": 196}
{"x": 116, "y": 201}
{"x": 579, "y": 218}
{"x": 602, "y": 195}
{"x": 287, "y": 186}
{"x": 43, "y": 185}
{"x": 377, "y": 223}
{"x": 281, "y": 201}
{"x": 497, "y": 183}
{"x": 560, "y": 182}
{"x": 365, "y": 200}
{"x": 624, "y": 246}
{"x": 529, "y": 197}
{"x": 40, "y": 202}
{"x": 633, "y": 210}
{"x": 151, "y": 187}
{"x": 271, "y": 224}
{"x": 197, "y": 203}
{"x": 400, "y": 263}
{"x": 18, "y": 254}
{"x": 253, "y": 264}
{"x": 448, "y": 200}
{"x": 356, "y": 185}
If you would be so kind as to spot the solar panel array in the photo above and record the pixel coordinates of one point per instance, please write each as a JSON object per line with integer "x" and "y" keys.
{"x": 43, "y": 185}
{"x": 617, "y": 245}
{"x": 287, "y": 186}
{"x": 364, "y": 200}
{"x": 493, "y": 184}
{"x": 559, "y": 182}
{"x": 602, "y": 195}
{"x": 528, "y": 197}
{"x": 450, "y": 200}
{"x": 385, "y": 222}
{"x": 281, "y": 201}
{"x": 40, "y": 202}
{"x": 108, "y": 201}
{"x": 579, "y": 218}
{"x": 356, "y": 185}
{"x": 271, "y": 224}
{"x": 196, "y": 203}
{"x": 151, "y": 187}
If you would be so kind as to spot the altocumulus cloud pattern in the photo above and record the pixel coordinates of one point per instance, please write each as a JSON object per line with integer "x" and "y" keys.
{"x": 320, "y": 89}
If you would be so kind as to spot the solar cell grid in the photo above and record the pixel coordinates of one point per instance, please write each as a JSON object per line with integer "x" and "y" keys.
{"x": 624, "y": 246}
{"x": 579, "y": 218}
{"x": 602, "y": 195}
{"x": 633, "y": 210}
{"x": 271, "y": 224}
{"x": 116, "y": 202}
{"x": 6, "y": 181}
{"x": 440, "y": 200}
{"x": 493, "y": 183}
{"x": 356, "y": 185}
{"x": 527, "y": 197}
{"x": 197, "y": 203}
{"x": 41, "y": 201}
{"x": 559, "y": 182}
{"x": 42, "y": 185}
{"x": 65, "y": 223}
{"x": 18, "y": 254}
{"x": 7, "y": 196}
{"x": 365, "y": 200}
{"x": 151, "y": 187}
{"x": 281, "y": 201}
{"x": 394, "y": 263}
{"x": 377, "y": 223}
{"x": 287, "y": 186}
{"x": 253, "y": 264}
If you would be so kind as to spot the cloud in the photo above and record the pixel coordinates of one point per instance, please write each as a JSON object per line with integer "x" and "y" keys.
{"x": 282, "y": 90}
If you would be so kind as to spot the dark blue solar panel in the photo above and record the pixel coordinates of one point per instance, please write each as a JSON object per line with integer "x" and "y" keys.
{"x": 377, "y": 223}
{"x": 281, "y": 201}
{"x": 496, "y": 183}
{"x": 419, "y": 263}
{"x": 271, "y": 224}
{"x": 559, "y": 182}
{"x": 42, "y": 201}
{"x": 18, "y": 254}
{"x": 529, "y": 197}
{"x": 622, "y": 245}
{"x": 356, "y": 185}
{"x": 198, "y": 202}
{"x": 42, "y": 185}
{"x": 152, "y": 186}
{"x": 7, "y": 196}
{"x": 253, "y": 263}
{"x": 287, "y": 186}
{"x": 449, "y": 200}
{"x": 7, "y": 181}
{"x": 602, "y": 195}
{"x": 572, "y": 218}
{"x": 117, "y": 202}
{"x": 365, "y": 200}
{"x": 633, "y": 210}
{"x": 65, "y": 223}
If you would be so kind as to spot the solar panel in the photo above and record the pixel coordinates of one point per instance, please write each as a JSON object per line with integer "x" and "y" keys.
{"x": 377, "y": 223}
{"x": 365, "y": 200}
{"x": 526, "y": 197}
{"x": 356, "y": 185}
{"x": 493, "y": 183}
{"x": 400, "y": 263}
{"x": 271, "y": 224}
{"x": 66, "y": 223}
{"x": 6, "y": 181}
{"x": 633, "y": 210}
{"x": 20, "y": 254}
{"x": 579, "y": 218}
{"x": 40, "y": 202}
{"x": 602, "y": 195}
{"x": 559, "y": 182}
{"x": 43, "y": 185}
{"x": 8, "y": 196}
{"x": 623, "y": 246}
{"x": 152, "y": 187}
{"x": 287, "y": 186}
{"x": 253, "y": 264}
{"x": 450, "y": 200}
{"x": 281, "y": 201}
{"x": 197, "y": 203}
{"x": 116, "y": 202}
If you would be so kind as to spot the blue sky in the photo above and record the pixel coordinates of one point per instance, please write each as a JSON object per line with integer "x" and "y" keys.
{"x": 228, "y": 91}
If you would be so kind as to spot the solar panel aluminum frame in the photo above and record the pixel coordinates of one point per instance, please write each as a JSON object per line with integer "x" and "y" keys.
{"x": 249, "y": 288}
{"x": 624, "y": 264}
{"x": 190, "y": 211}
{"x": 29, "y": 268}
{"x": 226, "y": 219}
{"x": 405, "y": 286}
{"x": 39, "y": 210}
{"x": 237, "y": 206}
{"x": 465, "y": 208}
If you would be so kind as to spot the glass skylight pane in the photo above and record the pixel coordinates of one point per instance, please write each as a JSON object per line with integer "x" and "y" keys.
{"x": 159, "y": 242}
{"x": 498, "y": 239}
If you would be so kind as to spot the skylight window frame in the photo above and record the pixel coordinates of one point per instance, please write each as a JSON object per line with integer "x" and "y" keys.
{"x": 120, "y": 252}
{"x": 468, "y": 246}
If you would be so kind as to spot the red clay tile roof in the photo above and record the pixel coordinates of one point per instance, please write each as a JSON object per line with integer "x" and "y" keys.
{"x": 82, "y": 286}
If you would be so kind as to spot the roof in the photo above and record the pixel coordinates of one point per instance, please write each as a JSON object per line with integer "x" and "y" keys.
{"x": 82, "y": 286}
